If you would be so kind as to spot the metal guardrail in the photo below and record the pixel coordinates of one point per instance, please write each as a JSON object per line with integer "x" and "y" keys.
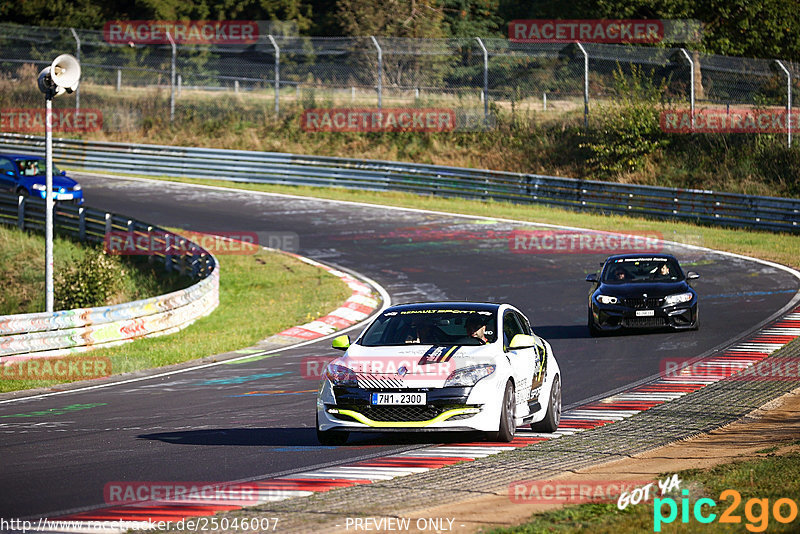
{"x": 65, "y": 332}
{"x": 708, "y": 207}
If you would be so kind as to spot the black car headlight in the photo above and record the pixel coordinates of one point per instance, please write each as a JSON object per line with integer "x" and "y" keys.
{"x": 339, "y": 375}
{"x": 607, "y": 299}
{"x": 680, "y": 298}
{"x": 469, "y": 376}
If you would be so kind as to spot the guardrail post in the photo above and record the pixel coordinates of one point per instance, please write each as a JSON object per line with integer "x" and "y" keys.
{"x": 380, "y": 70}
{"x": 691, "y": 82}
{"x": 78, "y": 57}
{"x": 485, "y": 80}
{"x": 172, "y": 78}
{"x": 585, "y": 85}
{"x": 108, "y": 223}
{"x": 81, "y": 224}
{"x": 21, "y": 212}
{"x": 788, "y": 102}
{"x": 119, "y": 80}
{"x": 277, "y": 73}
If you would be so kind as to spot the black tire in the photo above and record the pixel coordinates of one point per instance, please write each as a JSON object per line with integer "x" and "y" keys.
{"x": 22, "y": 192}
{"x": 696, "y": 320}
{"x": 593, "y": 330}
{"x": 553, "y": 416}
{"x": 507, "y": 426}
{"x": 332, "y": 437}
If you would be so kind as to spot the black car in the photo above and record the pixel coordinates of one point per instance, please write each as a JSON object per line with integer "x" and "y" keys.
{"x": 642, "y": 291}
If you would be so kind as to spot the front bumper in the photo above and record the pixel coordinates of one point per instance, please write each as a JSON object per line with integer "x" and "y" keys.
{"x": 613, "y": 317}
{"x": 475, "y": 408}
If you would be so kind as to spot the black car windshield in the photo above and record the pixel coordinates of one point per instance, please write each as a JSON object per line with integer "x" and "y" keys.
{"x": 644, "y": 269}
{"x": 34, "y": 167}
{"x": 444, "y": 326}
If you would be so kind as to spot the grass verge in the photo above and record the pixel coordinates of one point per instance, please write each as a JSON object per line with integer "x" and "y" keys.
{"x": 778, "y": 247}
{"x": 765, "y": 479}
{"x": 260, "y": 295}
{"x": 22, "y": 271}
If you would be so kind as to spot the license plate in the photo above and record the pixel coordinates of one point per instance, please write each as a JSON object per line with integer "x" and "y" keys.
{"x": 645, "y": 313}
{"x": 399, "y": 398}
{"x": 64, "y": 196}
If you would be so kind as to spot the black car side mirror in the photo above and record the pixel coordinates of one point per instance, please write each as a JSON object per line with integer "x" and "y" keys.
{"x": 591, "y": 277}
{"x": 691, "y": 275}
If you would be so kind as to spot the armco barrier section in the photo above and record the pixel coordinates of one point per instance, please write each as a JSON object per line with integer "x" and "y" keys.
{"x": 709, "y": 207}
{"x": 65, "y": 332}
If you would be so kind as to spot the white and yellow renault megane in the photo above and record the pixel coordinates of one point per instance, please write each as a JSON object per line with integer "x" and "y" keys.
{"x": 442, "y": 366}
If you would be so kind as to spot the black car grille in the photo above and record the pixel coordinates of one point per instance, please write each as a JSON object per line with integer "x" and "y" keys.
{"x": 401, "y": 413}
{"x": 644, "y": 322}
{"x": 642, "y": 302}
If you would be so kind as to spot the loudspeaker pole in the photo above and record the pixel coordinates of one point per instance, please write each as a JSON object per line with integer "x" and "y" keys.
{"x": 48, "y": 233}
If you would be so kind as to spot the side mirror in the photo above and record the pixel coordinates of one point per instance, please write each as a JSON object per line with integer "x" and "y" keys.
{"x": 591, "y": 277}
{"x": 62, "y": 173}
{"x": 522, "y": 341}
{"x": 691, "y": 275}
{"x": 341, "y": 342}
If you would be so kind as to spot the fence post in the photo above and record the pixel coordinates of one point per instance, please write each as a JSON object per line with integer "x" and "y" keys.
{"x": 788, "y": 102}
{"x": 78, "y": 57}
{"x": 172, "y": 79}
{"x": 380, "y": 71}
{"x": 119, "y": 80}
{"x": 81, "y": 224}
{"x": 485, "y": 80}
{"x": 585, "y": 85}
{"x": 691, "y": 82}
{"x": 21, "y": 212}
{"x": 277, "y": 73}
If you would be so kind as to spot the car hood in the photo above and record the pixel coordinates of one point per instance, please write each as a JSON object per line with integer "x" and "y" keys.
{"x": 637, "y": 289}
{"x": 58, "y": 181}
{"x": 424, "y": 365}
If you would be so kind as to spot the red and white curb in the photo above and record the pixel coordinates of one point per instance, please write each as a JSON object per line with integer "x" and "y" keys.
{"x": 736, "y": 359}
{"x": 356, "y": 308}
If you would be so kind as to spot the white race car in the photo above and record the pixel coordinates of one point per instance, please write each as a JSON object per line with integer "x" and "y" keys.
{"x": 441, "y": 366}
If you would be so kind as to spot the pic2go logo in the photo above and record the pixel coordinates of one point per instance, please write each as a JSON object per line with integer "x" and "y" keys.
{"x": 756, "y": 511}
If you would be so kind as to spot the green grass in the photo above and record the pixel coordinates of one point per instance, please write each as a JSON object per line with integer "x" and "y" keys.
{"x": 22, "y": 271}
{"x": 771, "y": 478}
{"x": 778, "y": 247}
{"x": 260, "y": 295}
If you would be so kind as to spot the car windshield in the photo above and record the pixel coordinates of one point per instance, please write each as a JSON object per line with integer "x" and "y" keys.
{"x": 34, "y": 167}
{"x": 431, "y": 327}
{"x": 650, "y": 269}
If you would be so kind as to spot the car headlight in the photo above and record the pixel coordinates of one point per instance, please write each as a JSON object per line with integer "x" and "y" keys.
{"x": 39, "y": 187}
{"x": 339, "y": 375}
{"x": 606, "y": 299}
{"x": 671, "y": 300}
{"x": 77, "y": 187}
{"x": 469, "y": 376}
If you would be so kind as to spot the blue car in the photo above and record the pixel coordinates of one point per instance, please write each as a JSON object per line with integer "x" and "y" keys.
{"x": 25, "y": 175}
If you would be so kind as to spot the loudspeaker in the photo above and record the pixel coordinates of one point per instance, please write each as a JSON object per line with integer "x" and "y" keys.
{"x": 62, "y": 75}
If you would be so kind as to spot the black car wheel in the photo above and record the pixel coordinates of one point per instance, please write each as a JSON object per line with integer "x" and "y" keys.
{"x": 507, "y": 426}
{"x": 331, "y": 437}
{"x": 553, "y": 417}
{"x": 593, "y": 330}
{"x": 22, "y": 192}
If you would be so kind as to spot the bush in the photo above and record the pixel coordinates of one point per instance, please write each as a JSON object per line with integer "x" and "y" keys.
{"x": 94, "y": 281}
